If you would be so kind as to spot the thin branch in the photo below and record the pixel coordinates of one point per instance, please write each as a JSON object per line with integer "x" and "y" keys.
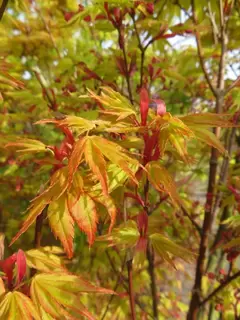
{"x": 151, "y": 268}
{"x": 150, "y": 258}
{"x": 194, "y": 223}
{"x": 219, "y": 288}
{"x": 233, "y": 85}
{"x": 142, "y": 49}
{"x": 3, "y": 8}
{"x": 200, "y": 52}
{"x": 126, "y": 68}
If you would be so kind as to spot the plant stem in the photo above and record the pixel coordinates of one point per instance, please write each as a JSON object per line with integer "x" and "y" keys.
{"x": 126, "y": 68}
{"x": 150, "y": 257}
{"x": 219, "y": 288}
{"x": 208, "y": 217}
{"x": 131, "y": 290}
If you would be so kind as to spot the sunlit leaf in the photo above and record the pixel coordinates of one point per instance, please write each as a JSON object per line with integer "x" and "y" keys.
{"x": 15, "y": 305}
{"x": 85, "y": 215}
{"x": 167, "y": 249}
{"x": 162, "y": 181}
{"x": 62, "y": 223}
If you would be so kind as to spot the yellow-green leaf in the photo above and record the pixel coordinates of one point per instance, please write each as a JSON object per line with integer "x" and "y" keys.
{"x": 162, "y": 181}
{"x": 62, "y": 223}
{"x": 85, "y": 215}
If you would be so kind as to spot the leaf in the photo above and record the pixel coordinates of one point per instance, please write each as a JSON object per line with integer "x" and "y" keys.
{"x": 28, "y": 146}
{"x": 96, "y": 162}
{"x": 208, "y": 120}
{"x": 108, "y": 203}
{"x": 62, "y": 223}
{"x": 76, "y": 157}
{"x": 2, "y": 287}
{"x": 58, "y": 294}
{"x": 21, "y": 265}
{"x": 34, "y": 211}
{"x": 43, "y": 260}
{"x": 85, "y": 215}
{"x": 162, "y": 181}
{"x": 167, "y": 248}
{"x": 114, "y": 101}
{"x": 209, "y": 138}
{"x": 126, "y": 235}
{"x": 16, "y": 305}
{"x": 57, "y": 187}
{"x": 144, "y": 105}
{"x": 116, "y": 155}
{"x": 80, "y": 124}
{"x": 233, "y": 243}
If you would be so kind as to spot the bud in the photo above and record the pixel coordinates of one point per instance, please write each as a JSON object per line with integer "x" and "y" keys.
{"x": 159, "y": 106}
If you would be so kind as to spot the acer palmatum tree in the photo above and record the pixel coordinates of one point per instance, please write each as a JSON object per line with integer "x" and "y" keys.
{"x": 113, "y": 158}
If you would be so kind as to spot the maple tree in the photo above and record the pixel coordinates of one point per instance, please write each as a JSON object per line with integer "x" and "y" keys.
{"x": 119, "y": 159}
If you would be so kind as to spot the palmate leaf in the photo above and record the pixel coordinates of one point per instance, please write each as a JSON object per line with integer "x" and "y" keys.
{"x": 168, "y": 249}
{"x": 172, "y": 130}
{"x": 62, "y": 223}
{"x": 80, "y": 124}
{"x": 162, "y": 181}
{"x": 44, "y": 260}
{"x": 28, "y": 146}
{"x": 125, "y": 236}
{"x": 59, "y": 294}
{"x": 115, "y": 103}
{"x": 15, "y": 305}
{"x": 96, "y": 162}
{"x": 207, "y": 120}
{"x": 209, "y": 138}
{"x": 84, "y": 213}
{"x": 104, "y": 148}
{"x": 57, "y": 186}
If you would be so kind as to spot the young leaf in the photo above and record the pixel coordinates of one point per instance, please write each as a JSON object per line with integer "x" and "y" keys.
{"x": 21, "y": 265}
{"x": 58, "y": 294}
{"x": 16, "y": 305}
{"x": 62, "y": 223}
{"x": 76, "y": 157}
{"x": 80, "y": 124}
{"x": 207, "y": 120}
{"x": 162, "y": 181}
{"x": 28, "y": 146}
{"x": 96, "y": 162}
{"x": 209, "y": 138}
{"x": 43, "y": 260}
{"x": 166, "y": 249}
{"x": 85, "y": 215}
{"x": 116, "y": 155}
{"x": 144, "y": 105}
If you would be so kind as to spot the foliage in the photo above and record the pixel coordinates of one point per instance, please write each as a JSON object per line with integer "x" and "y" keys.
{"x": 110, "y": 134}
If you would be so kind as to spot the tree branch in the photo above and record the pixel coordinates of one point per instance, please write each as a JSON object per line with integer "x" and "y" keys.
{"x": 3, "y": 8}
{"x": 219, "y": 288}
{"x": 200, "y": 51}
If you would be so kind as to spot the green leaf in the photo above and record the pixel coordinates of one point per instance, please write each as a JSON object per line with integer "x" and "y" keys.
{"x": 168, "y": 249}
{"x": 44, "y": 260}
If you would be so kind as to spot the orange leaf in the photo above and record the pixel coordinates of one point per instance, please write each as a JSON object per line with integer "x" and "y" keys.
{"x": 62, "y": 223}
{"x": 96, "y": 162}
{"x": 76, "y": 157}
{"x": 85, "y": 215}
